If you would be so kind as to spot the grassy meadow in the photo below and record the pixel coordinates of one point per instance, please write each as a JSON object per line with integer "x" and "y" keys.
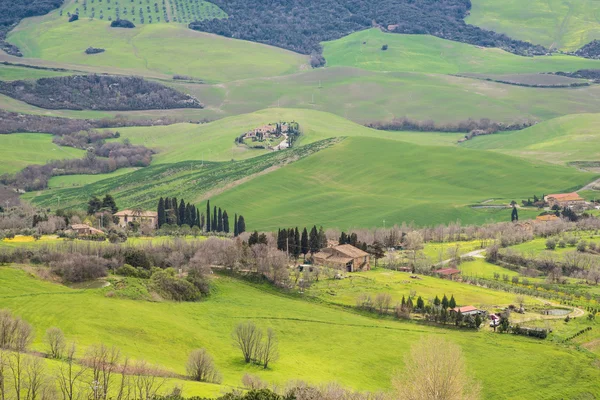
{"x": 557, "y": 24}
{"x": 318, "y": 342}
{"x": 13, "y": 73}
{"x": 22, "y": 149}
{"x": 559, "y": 141}
{"x": 430, "y": 54}
{"x": 164, "y": 48}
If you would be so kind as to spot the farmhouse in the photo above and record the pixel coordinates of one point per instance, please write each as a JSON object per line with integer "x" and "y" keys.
{"x": 468, "y": 310}
{"x": 565, "y": 200}
{"x": 128, "y": 216}
{"x": 85, "y": 230}
{"x": 344, "y": 256}
{"x": 447, "y": 272}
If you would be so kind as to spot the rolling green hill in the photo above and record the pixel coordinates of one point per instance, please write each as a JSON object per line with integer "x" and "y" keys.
{"x": 166, "y": 48}
{"x": 565, "y": 25}
{"x": 561, "y": 140}
{"x": 362, "y": 181}
{"x": 429, "y": 54}
{"x": 318, "y": 343}
{"x": 22, "y": 149}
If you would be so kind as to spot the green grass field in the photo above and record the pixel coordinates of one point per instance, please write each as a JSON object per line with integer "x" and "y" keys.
{"x": 22, "y": 149}
{"x": 65, "y": 181}
{"x": 362, "y": 181}
{"x": 429, "y": 54}
{"x": 13, "y": 73}
{"x": 557, "y": 24}
{"x": 144, "y": 12}
{"x": 318, "y": 343}
{"x": 561, "y": 140}
{"x": 165, "y": 48}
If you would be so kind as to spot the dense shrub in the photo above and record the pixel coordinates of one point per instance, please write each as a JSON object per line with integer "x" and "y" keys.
{"x": 74, "y": 17}
{"x": 80, "y": 268}
{"x": 122, "y": 23}
{"x": 93, "y": 50}
{"x": 169, "y": 286}
{"x": 132, "y": 272}
{"x": 97, "y": 92}
{"x": 137, "y": 258}
{"x": 301, "y": 25}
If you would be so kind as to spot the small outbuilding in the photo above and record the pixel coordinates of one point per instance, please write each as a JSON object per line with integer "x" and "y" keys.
{"x": 468, "y": 310}
{"x": 449, "y": 273}
{"x": 85, "y": 230}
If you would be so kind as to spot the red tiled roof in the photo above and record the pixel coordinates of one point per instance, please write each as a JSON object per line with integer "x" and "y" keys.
{"x": 465, "y": 309}
{"x": 448, "y": 271}
{"x": 565, "y": 197}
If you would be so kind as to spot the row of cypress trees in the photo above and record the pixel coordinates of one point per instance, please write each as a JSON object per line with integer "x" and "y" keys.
{"x": 172, "y": 212}
{"x": 291, "y": 241}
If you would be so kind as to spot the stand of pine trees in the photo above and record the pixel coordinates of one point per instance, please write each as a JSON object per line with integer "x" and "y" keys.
{"x": 172, "y": 212}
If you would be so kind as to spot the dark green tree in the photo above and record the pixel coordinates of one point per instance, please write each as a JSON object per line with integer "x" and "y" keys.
{"x": 343, "y": 238}
{"x": 208, "y": 225}
{"x": 376, "y": 251}
{"x": 109, "y": 203}
{"x": 313, "y": 240}
{"x": 304, "y": 243}
{"x": 297, "y": 243}
{"x": 421, "y": 304}
{"x": 225, "y": 222}
{"x": 253, "y": 239}
{"x": 199, "y": 220}
{"x": 220, "y": 220}
{"x": 322, "y": 238}
{"x": 291, "y": 241}
{"x": 215, "y": 224}
{"x": 437, "y": 301}
{"x": 94, "y": 205}
{"x": 452, "y": 302}
{"x": 241, "y": 225}
{"x": 262, "y": 239}
{"x": 445, "y": 302}
{"x": 162, "y": 216}
{"x": 409, "y": 304}
{"x": 167, "y": 204}
{"x": 459, "y": 318}
{"x": 175, "y": 208}
{"x": 403, "y": 303}
{"x": 181, "y": 216}
{"x": 235, "y": 226}
{"x": 515, "y": 214}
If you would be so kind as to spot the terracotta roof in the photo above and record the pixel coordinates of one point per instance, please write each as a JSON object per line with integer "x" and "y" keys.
{"x": 339, "y": 260}
{"x": 465, "y": 309}
{"x": 547, "y": 217}
{"x": 131, "y": 213}
{"x": 351, "y": 251}
{"x": 448, "y": 271}
{"x": 565, "y": 197}
{"x": 84, "y": 226}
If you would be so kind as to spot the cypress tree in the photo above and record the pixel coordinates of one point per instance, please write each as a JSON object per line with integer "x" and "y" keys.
{"x": 208, "y": 216}
{"x": 421, "y": 303}
{"x": 109, "y": 202}
{"x": 322, "y": 239}
{"x": 403, "y": 304}
{"x": 215, "y": 224}
{"x": 304, "y": 243}
{"x": 220, "y": 221}
{"x": 225, "y": 222}
{"x": 297, "y": 245}
{"x": 342, "y": 239}
{"x": 199, "y": 221}
{"x": 279, "y": 240}
{"x": 436, "y": 301}
{"x": 235, "y": 226}
{"x": 182, "y": 213}
{"x": 291, "y": 241}
{"x": 175, "y": 210}
{"x": 515, "y": 214}
{"x": 167, "y": 204}
{"x": 313, "y": 240}
{"x": 241, "y": 225}
{"x": 409, "y": 304}
{"x": 452, "y": 302}
{"x": 193, "y": 214}
{"x": 162, "y": 216}
{"x": 445, "y": 302}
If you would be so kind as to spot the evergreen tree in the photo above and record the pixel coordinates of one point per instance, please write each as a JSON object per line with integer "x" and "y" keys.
{"x": 162, "y": 216}
{"x": 241, "y": 225}
{"x": 253, "y": 239}
{"x": 194, "y": 215}
{"x": 225, "y": 222}
{"x": 421, "y": 303}
{"x": 94, "y": 205}
{"x": 220, "y": 220}
{"x": 445, "y": 302}
{"x": 208, "y": 216}
{"x": 459, "y": 318}
{"x": 313, "y": 240}
{"x": 235, "y": 226}
{"x": 437, "y": 301}
{"x": 167, "y": 204}
{"x": 280, "y": 240}
{"x": 343, "y": 238}
{"x": 304, "y": 243}
{"x": 515, "y": 214}
{"x": 297, "y": 244}
{"x": 452, "y": 302}
{"x": 199, "y": 219}
{"x": 262, "y": 239}
{"x": 175, "y": 208}
{"x": 291, "y": 241}
{"x": 403, "y": 303}
{"x": 182, "y": 213}
{"x": 109, "y": 202}
{"x": 409, "y": 304}
{"x": 215, "y": 224}
{"x": 322, "y": 239}
{"x": 353, "y": 239}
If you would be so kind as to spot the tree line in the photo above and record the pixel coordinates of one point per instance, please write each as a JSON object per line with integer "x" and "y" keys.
{"x": 465, "y": 126}
{"x": 294, "y": 243}
{"x": 301, "y": 25}
{"x": 98, "y": 92}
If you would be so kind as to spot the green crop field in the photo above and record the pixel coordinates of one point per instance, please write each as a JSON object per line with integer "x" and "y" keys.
{"x": 429, "y": 54}
{"x": 165, "y": 48}
{"x": 318, "y": 343}
{"x": 22, "y": 149}
{"x": 144, "y": 11}
{"x": 66, "y": 181}
{"x": 13, "y": 73}
{"x": 561, "y": 140}
{"x": 392, "y": 181}
{"x": 557, "y": 24}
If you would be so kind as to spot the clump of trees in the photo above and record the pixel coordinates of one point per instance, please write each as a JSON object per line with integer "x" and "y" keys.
{"x": 294, "y": 243}
{"x": 470, "y": 126}
{"x": 256, "y": 346}
{"x": 98, "y": 92}
{"x": 201, "y": 367}
{"x": 94, "y": 50}
{"x": 302, "y": 26}
{"x": 122, "y": 23}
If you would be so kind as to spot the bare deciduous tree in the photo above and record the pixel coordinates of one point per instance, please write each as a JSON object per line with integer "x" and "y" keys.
{"x": 55, "y": 339}
{"x": 247, "y": 337}
{"x": 382, "y": 302}
{"x": 69, "y": 375}
{"x": 201, "y": 367}
{"x": 269, "y": 349}
{"x": 103, "y": 362}
{"x": 35, "y": 378}
{"x": 146, "y": 381}
{"x": 3, "y": 366}
{"x": 435, "y": 369}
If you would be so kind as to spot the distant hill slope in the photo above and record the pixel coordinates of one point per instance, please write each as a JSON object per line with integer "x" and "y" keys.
{"x": 424, "y": 53}
{"x": 560, "y": 140}
{"x": 557, "y": 24}
{"x": 362, "y": 181}
{"x": 300, "y": 25}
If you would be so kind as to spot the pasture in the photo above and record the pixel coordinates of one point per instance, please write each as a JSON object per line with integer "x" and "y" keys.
{"x": 318, "y": 343}
{"x": 561, "y": 140}
{"x": 555, "y": 24}
{"x": 22, "y": 149}
{"x": 429, "y": 54}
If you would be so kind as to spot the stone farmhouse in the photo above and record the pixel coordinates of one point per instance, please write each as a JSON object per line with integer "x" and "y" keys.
{"x": 344, "y": 256}
{"x": 565, "y": 200}
{"x": 145, "y": 217}
{"x": 85, "y": 230}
